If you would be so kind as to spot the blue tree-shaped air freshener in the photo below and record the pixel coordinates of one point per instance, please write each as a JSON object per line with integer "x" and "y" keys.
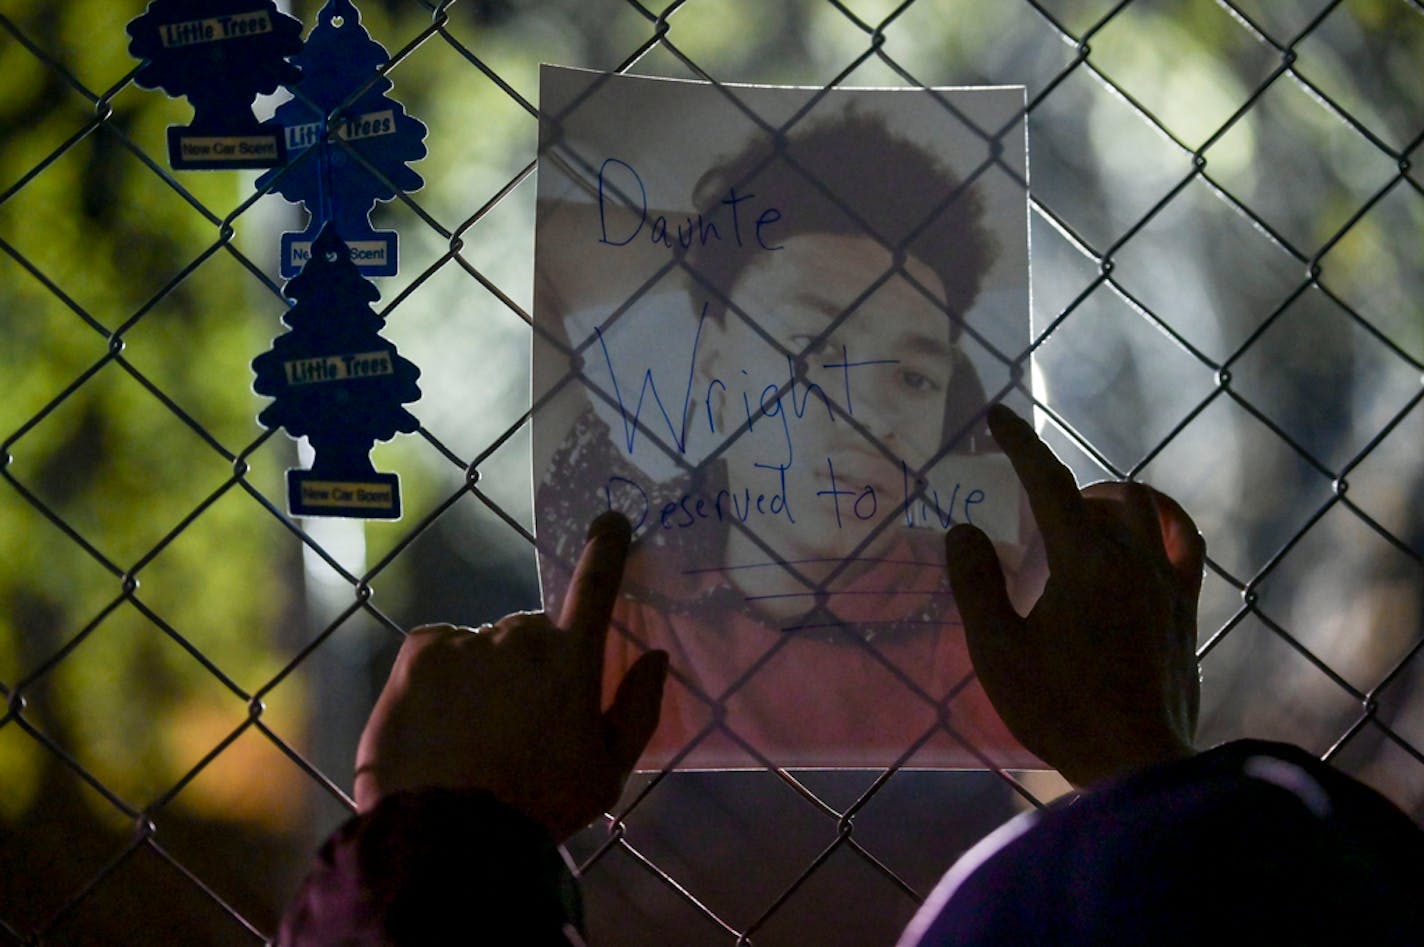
{"x": 220, "y": 54}
{"x": 339, "y": 61}
{"x": 338, "y": 383}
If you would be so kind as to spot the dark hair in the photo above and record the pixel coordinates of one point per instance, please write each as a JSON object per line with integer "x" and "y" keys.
{"x": 851, "y": 175}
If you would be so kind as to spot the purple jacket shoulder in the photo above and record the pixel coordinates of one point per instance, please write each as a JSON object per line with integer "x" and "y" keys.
{"x": 1249, "y": 842}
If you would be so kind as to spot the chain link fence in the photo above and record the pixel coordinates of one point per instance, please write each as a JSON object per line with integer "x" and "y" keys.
{"x": 1227, "y": 229}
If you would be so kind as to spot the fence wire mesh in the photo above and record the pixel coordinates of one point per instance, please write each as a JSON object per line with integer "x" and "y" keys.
{"x": 1226, "y": 228}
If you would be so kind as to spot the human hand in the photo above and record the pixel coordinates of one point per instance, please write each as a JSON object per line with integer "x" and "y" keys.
{"x": 1101, "y": 677}
{"x": 516, "y": 707}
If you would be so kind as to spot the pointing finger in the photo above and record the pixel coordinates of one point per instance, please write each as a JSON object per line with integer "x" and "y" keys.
{"x": 991, "y": 626}
{"x": 593, "y": 591}
{"x": 1052, "y": 491}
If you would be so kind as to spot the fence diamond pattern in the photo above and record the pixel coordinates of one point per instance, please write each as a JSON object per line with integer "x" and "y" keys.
{"x": 1228, "y": 251}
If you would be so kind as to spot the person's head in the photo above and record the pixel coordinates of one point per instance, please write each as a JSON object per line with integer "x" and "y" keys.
{"x": 849, "y": 176}
{"x": 876, "y": 255}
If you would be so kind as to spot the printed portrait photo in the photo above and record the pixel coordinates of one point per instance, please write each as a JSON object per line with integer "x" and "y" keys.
{"x": 768, "y": 324}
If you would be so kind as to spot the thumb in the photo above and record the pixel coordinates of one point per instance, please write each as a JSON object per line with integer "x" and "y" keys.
{"x": 631, "y": 719}
{"x": 980, "y": 593}
{"x": 1182, "y": 541}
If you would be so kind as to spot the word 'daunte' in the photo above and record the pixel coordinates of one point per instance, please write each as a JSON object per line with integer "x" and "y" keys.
{"x": 616, "y": 181}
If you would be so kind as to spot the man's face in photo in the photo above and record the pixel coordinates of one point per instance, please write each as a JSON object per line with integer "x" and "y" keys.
{"x": 886, "y": 367}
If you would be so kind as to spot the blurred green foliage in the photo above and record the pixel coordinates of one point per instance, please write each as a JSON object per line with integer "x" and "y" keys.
{"x": 108, "y": 236}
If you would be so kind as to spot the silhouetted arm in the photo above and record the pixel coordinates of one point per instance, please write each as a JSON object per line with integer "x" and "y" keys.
{"x": 485, "y": 749}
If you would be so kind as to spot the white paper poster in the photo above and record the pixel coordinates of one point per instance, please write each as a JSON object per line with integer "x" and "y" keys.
{"x": 768, "y": 322}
